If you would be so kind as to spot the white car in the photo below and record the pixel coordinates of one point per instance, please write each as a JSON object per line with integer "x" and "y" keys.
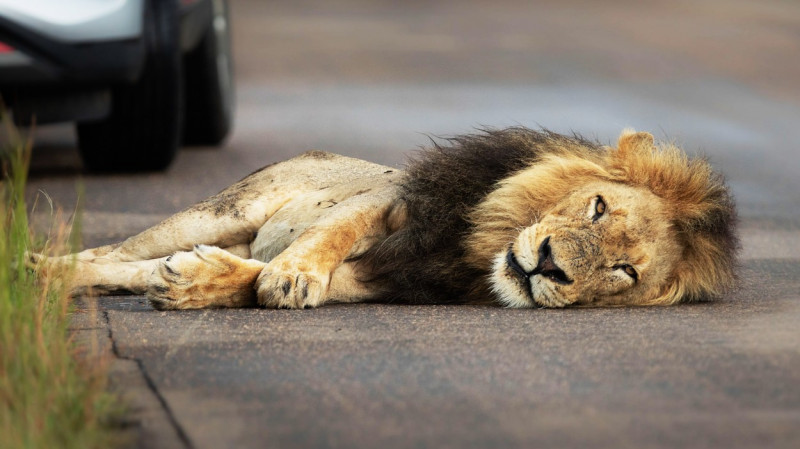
{"x": 137, "y": 76}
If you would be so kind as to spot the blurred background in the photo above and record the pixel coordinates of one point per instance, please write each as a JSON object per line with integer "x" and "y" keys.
{"x": 373, "y": 79}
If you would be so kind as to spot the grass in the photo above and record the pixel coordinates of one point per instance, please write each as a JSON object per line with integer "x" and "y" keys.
{"x": 50, "y": 396}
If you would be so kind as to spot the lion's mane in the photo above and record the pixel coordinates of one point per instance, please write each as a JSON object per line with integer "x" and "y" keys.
{"x": 443, "y": 254}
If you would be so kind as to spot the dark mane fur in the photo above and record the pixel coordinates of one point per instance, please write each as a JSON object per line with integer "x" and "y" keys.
{"x": 423, "y": 261}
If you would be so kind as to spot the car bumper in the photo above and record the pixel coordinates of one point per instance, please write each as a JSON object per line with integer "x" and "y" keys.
{"x": 33, "y": 59}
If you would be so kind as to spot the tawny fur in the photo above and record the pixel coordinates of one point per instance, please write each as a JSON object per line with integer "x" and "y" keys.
{"x": 516, "y": 217}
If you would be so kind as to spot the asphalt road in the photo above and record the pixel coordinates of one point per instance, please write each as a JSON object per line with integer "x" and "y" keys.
{"x": 370, "y": 79}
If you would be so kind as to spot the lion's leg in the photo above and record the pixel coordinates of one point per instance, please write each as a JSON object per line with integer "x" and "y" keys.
{"x": 180, "y": 232}
{"x": 108, "y": 278}
{"x": 210, "y": 277}
{"x": 229, "y": 219}
{"x": 102, "y": 276}
{"x": 301, "y": 275}
{"x": 309, "y": 272}
{"x": 193, "y": 226}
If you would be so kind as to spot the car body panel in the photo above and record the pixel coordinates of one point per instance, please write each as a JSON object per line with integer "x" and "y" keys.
{"x": 77, "y": 21}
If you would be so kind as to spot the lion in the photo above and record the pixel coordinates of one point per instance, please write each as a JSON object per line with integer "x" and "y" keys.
{"x": 514, "y": 217}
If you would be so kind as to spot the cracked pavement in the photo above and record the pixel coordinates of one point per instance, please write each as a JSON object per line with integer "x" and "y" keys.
{"x": 367, "y": 79}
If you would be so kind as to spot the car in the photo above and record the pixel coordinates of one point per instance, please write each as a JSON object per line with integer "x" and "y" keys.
{"x": 138, "y": 77}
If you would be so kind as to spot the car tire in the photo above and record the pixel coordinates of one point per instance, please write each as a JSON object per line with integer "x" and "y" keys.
{"x": 208, "y": 77}
{"x": 143, "y": 130}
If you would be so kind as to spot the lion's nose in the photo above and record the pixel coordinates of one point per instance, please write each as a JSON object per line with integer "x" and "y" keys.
{"x": 547, "y": 268}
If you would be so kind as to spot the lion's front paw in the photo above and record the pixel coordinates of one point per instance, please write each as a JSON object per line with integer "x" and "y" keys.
{"x": 290, "y": 288}
{"x": 205, "y": 277}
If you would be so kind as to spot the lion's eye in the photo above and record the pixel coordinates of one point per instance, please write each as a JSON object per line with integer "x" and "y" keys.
{"x": 629, "y": 270}
{"x": 599, "y": 208}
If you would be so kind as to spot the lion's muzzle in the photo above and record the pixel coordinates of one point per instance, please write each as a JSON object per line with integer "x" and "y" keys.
{"x": 545, "y": 265}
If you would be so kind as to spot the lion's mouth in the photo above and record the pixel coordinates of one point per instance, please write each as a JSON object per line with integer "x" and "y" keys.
{"x": 544, "y": 267}
{"x": 511, "y": 260}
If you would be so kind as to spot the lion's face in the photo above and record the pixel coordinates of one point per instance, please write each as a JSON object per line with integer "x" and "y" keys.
{"x": 605, "y": 243}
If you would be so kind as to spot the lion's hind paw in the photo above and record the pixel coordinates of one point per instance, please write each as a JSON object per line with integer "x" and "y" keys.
{"x": 205, "y": 277}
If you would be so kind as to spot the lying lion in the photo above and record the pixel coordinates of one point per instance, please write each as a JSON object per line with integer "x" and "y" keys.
{"x": 517, "y": 217}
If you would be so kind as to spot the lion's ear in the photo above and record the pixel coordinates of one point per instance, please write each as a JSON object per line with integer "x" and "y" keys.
{"x": 631, "y": 140}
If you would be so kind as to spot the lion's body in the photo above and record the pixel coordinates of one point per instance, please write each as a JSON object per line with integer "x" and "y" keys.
{"x": 516, "y": 217}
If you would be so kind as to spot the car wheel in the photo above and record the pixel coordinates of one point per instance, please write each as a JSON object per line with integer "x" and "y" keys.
{"x": 144, "y": 128}
{"x": 208, "y": 76}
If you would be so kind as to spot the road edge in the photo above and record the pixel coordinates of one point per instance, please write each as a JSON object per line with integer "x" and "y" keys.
{"x": 147, "y": 421}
